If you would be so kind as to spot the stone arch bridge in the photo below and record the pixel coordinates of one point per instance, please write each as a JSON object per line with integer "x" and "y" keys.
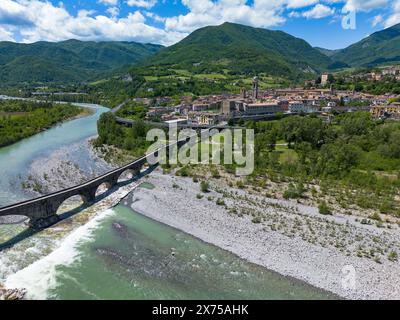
{"x": 42, "y": 211}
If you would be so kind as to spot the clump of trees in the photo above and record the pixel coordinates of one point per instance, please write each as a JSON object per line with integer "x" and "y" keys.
{"x": 132, "y": 139}
{"x": 354, "y": 153}
{"x": 133, "y": 110}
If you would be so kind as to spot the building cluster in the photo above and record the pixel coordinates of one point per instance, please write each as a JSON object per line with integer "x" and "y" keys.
{"x": 392, "y": 72}
{"x": 256, "y": 104}
{"x": 386, "y": 111}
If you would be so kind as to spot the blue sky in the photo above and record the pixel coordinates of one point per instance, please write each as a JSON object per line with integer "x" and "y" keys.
{"x": 320, "y": 22}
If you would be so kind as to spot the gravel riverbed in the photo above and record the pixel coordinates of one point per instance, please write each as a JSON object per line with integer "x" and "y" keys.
{"x": 284, "y": 236}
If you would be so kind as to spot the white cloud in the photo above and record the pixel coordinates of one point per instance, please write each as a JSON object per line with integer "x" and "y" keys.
{"x": 364, "y": 5}
{"x": 394, "y": 18}
{"x": 376, "y": 20}
{"x": 295, "y": 4}
{"x": 13, "y": 13}
{"x": 294, "y": 14}
{"x": 38, "y": 20}
{"x": 263, "y": 13}
{"x": 318, "y": 12}
{"x": 148, "y": 4}
{"x": 108, "y": 2}
{"x": 6, "y": 35}
{"x": 113, "y": 11}
{"x": 154, "y": 16}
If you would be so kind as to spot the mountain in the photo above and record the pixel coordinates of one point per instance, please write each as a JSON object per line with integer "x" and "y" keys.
{"x": 380, "y": 47}
{"x": 242, "y": 49}
{"x": 327, "y": 52}
{"x": 67, "y": 61}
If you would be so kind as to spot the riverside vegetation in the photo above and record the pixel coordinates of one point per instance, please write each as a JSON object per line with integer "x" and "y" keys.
{"x": 353, "y": 162}
{"x": 22, "y": 119}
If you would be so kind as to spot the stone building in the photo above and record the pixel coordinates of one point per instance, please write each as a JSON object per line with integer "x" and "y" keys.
{"x": 255, "y": 88}
{"x": 324, "y": 79}
{"x": 261, "y": 108}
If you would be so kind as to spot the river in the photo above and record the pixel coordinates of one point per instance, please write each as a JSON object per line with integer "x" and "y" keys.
{"x": 118, "y": 254}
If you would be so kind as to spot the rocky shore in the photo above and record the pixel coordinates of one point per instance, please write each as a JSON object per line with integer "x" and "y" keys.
{"x": 11, "y": 294}
{"x": 336, "y": 253}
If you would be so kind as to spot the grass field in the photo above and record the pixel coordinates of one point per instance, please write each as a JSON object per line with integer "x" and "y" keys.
{"x": 210, "y": 76}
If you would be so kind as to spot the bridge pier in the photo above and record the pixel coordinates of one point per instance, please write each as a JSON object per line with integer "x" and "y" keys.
{"x": 112, "y": 182}
{"x": 89, "y": 195}
{"x": 43, "y": 223}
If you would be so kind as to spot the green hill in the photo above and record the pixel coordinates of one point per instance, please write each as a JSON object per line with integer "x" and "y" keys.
{"x": 67, "y": 61}
{"x": 327, "y": 52}
{"x": 379, "y": 48}
{"x": 241, "y": 49}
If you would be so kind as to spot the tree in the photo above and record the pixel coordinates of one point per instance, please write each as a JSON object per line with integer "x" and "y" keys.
{"x": 108, "y": 129}
{"x": 139, "y": 129}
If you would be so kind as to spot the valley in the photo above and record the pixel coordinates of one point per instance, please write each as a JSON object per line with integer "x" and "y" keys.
{"x": 318, "y": 128}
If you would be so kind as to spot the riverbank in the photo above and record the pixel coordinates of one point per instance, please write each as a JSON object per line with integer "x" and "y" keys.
{"x": 20, "y": 121}
{"x": 284, "y": 236}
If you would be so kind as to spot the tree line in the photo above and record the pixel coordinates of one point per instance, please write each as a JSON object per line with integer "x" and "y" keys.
{"x": 21, "y": 119}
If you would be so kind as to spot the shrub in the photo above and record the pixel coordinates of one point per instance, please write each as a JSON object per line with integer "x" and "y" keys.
{"x": 393, "y": 256}
{"x": 220, "y": 202}
{"x": 314, "y": 192}
{"x": 256, "y": 220}
{"x": 324, "y": 208}
{"x": 204, "y": 186}
{"x": 376, "y": 216}
{"x": 215, "y": 173}
{"x": 294, "y": 192}
{"x": 386, "y": 207}
{"x": 199, "y": 196}
{"x": 184, "y": 172}
{"x": 240, "y": 184}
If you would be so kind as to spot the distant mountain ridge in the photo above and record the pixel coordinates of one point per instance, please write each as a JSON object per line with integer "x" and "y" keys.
{"x": 378, "y": 48}
{"x": 242, "y": 49}
{"x": 67, "y": 61}
{"x": 227, "y": 48}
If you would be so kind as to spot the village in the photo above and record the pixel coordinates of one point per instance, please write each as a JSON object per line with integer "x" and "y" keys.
{"x": 257, "y": 104}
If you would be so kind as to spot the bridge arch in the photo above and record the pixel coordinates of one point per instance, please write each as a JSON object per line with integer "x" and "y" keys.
{"x": 126, "y": 175}
{"x": 69, "y": 204}
{"x": 103, "y": 188}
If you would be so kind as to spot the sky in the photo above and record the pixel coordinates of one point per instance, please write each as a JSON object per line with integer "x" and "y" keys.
{"x": 331, "y": 24}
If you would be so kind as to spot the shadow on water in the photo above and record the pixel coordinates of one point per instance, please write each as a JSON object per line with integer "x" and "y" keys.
{"x": 31, "y": 231}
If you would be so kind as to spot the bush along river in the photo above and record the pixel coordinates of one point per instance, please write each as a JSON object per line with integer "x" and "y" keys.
{"x": 103, "y": 253}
